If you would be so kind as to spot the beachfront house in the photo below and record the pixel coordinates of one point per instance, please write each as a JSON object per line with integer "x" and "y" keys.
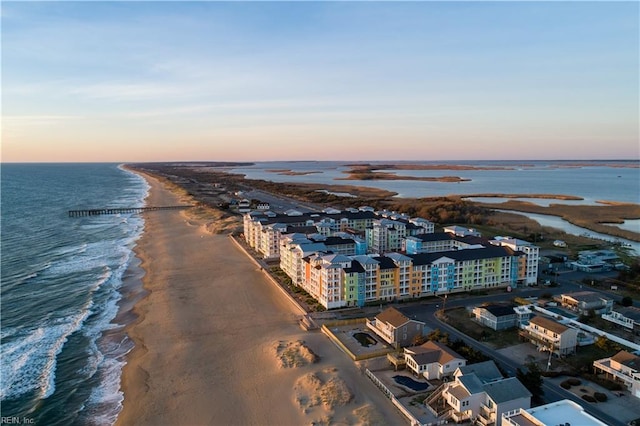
{"x": 623, "y": 367}
{"x": 433, "y": 360}
{"x": 549, "y": 335}
{"x": 481, "y": 396}
{"x": 396, "y": 328}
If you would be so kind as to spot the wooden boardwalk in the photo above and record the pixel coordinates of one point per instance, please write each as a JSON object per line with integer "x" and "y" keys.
{"x": 99, "y": 212}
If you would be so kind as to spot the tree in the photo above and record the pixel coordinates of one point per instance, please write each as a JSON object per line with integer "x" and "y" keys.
{"x": 439, "y": 336}
{"x": 626, "y": 301}
{"x": 607, "y": 345}
{"x": 532, "y": 380}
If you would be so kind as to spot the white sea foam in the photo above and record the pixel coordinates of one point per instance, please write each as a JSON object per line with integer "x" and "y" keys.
{"x": 29, "y": 358}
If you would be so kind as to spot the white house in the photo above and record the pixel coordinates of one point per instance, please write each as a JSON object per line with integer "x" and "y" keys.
{"x": 623, "y": 367}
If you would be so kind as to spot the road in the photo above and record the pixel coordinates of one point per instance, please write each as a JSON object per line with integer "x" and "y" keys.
{"x": 426, "y": 312}
{"x": 279, "y": 204}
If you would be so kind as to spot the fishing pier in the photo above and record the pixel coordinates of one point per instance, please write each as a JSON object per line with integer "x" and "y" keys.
{"x": 119, "y": 210}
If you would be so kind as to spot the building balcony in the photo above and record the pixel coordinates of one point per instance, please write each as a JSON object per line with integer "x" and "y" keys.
{"x": 540, "y": 338}
{"x": 459, "y": 417}
{"x": 604, "y": 366}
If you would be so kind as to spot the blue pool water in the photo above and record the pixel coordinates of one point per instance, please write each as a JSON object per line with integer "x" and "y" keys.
{"x": 410, "y": 383}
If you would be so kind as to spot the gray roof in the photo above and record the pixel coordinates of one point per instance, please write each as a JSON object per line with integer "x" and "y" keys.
{"x": 506, "y": 390}
{"x": 586, "y": 296}
{"x": 629, "y": 312}
{"x": 471, "y": 382}
{"x": 500, "y": 310}
{"x": 461, "y": 255}
{"x": 423, "y": 358}
{"x": 486, "y": 371}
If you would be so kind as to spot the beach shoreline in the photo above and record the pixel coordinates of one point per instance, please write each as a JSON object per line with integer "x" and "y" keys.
{"x": 207, "y": 333}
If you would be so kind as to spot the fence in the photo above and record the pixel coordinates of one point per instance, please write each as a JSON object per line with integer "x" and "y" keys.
{"x": 412, "y": 419}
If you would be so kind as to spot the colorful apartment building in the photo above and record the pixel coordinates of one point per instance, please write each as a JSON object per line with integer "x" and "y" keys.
{"x": 322, "y": 253}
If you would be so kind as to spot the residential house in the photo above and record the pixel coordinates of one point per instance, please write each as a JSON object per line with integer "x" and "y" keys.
{"x": 626, "y": 316}
{"x": 486, "y": 371}
{"x": 623, "y": 367}
{"x": 559, "y": 413}
{"x": 523, "y": 313}
{"x": 497, "y": 317}
{"x": 433, "y": 360}
{"x": 549, "y": 335}
{"x": 396, "y": 328}
{"x": 584, "y": 301}
{"x": 481, "y": 399}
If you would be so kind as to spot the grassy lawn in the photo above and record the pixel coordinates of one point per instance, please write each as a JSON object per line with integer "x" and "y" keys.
{"x": 460, "y": 319}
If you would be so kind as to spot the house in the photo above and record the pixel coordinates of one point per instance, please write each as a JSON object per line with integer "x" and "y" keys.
{"x": 623, "y": 367}
{"x": 523, "y": 313}
{"x": 564, "y": 412}
{"x": 595, "y": 260}
{"x": 478, "y": 394}
{"x": 486, "y": 371}
{"x": 584, "y": 301}
{"x": 628, "y": 317}
{"x": 549, "y": 335}
{"x": 496, "y": 317}
{"x": 433, "y": 360}
{"x": 396, "y": 328}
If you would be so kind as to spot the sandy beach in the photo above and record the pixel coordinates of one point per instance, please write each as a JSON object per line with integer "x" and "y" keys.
{"x": 215, "y": 340}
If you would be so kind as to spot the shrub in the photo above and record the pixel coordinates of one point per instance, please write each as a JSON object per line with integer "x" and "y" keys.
{"x": 574, "y": 382}
{"x": 588, "y": 398}
{"x": 600, "y": 397}
{"x": 565, "y": 385}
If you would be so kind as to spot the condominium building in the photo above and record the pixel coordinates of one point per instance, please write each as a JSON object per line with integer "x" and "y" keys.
{"x": 464, "y": 270}
{"x": 373, "y": 268}
{"x": 531, "y": 251}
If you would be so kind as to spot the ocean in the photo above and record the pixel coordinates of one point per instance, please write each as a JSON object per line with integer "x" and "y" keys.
{"x": 62, "y": 338}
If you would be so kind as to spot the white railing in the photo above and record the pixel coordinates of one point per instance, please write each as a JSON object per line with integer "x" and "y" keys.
{"x": 412, "y": 419}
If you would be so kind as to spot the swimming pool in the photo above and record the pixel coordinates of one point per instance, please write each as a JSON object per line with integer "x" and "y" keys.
{"x": 411, "y": 384}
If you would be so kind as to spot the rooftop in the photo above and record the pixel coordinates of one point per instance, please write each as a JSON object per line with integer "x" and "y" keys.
{"x": 548, "y": 324}
{"x": 563, "y": 412}
{"x": 628, "y": 359}
{"x": 393, "y": 317}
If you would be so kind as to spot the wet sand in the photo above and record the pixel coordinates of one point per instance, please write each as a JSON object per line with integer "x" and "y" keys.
{"x": 205, "y": 337}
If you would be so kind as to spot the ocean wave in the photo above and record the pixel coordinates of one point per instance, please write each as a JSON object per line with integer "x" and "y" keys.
{"x": 29, "y": 359}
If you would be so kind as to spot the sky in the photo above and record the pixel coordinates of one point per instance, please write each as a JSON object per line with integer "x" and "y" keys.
{"x": 259, "y": 81}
